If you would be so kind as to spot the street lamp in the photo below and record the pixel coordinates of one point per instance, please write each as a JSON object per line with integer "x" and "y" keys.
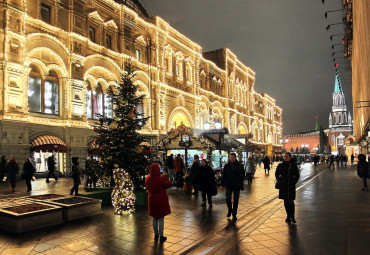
{"x": 206, "y": 125}
{"x": 218, "y": 124}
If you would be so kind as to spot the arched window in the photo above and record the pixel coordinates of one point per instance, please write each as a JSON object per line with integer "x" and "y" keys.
{"x": 43, "y": 94}
{"x": 97, "y": 102}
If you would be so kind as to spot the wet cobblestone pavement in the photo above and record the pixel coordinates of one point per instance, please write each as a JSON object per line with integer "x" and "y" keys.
{"x": 333, "y": 217}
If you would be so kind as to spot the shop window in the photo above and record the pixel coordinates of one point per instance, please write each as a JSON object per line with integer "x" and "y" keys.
{"x": 92, "y": 34}
{"x": 43, "y": 94}
{"x": 98, "y": 103}
{"x": 108, "y": 41}
{"x": 45, "y": 13}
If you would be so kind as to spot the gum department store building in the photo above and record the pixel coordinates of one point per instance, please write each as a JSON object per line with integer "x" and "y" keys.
{"x": 59, "y": 58}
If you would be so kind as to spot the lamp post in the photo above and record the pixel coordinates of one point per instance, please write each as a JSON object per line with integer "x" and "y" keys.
{"x": 206, "y": 125}
{"x": 334, "y": 24}
{"x": 283, "y": 142}
{"x": 218, "y": 125}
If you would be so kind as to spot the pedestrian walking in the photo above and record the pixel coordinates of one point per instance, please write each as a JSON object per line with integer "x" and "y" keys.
{"x": 266, "y": 164}
{"x": 233, "y": 180}
{"x": 171, "y": 169}
{"x": 76, "y": 171}
{"x": 179, "y": 169}
{"x": 250, "y": 169}
{"x": 337, "y": 159}
{"x": 12, "y": 169}
{"x": 206, "y": 182}
{"x": 28, "y": 171}
{"x": 51, "y": 167}
{"x": 158, "y": 205}
{"x": 352, "y": 159}
{"x": 259, "y": 160}
{"x": 331, "y": 161}
{"x": 2, "y": 168}
{"x": 194, "y": 170}
{"x": 345, "y": 160}
{"x": 363, "y": 170}
{"x": 287, "y": 176}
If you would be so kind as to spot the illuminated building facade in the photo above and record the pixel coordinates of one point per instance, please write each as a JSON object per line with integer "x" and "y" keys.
{"x": 59, "y": 58}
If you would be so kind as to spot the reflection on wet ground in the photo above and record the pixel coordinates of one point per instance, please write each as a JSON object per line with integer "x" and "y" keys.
{"x": 331, "y": 210}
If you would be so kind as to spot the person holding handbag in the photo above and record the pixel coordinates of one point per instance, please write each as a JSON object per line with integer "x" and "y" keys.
{"x": 206, "y": 182}
{"x": 28, "y": 172}
{"x": 287, "y": 176}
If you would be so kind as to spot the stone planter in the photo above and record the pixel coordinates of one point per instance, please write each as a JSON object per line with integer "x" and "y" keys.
{"x": 29, "y": 216}
{"x": 76, "y": 207}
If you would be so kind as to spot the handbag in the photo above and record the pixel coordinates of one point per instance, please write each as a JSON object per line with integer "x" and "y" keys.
{"x": 214, "y": 190}
{"x": 277, "y": 184}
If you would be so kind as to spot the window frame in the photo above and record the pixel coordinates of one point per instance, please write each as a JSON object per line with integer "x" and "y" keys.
{"x": 94, "y": 31}
{"x": 48, "y": 77}
{"x": 43, "y": 5}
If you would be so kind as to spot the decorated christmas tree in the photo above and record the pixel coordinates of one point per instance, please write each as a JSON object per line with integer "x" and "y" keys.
{"x": 117, "y": 137}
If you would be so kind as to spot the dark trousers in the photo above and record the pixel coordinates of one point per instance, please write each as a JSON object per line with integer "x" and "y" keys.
{"x": 289, "y": 208}
{"x": 331, "y": 164}
{"x": 51, "y": 174}
{"x": 13, "y": 184}
{"x": 365, "y": 183}
{"x": 178, "y": 179}
{"x": 233, "y": 207}
{"x": 205, "y": 195}
{"x": 74, "y": 189}
{"x": 196, "y": 189}
{"x": 28, "y": 183}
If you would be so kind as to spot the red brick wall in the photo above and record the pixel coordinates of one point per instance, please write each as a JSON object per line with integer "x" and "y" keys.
{"x": 297, "y": 140}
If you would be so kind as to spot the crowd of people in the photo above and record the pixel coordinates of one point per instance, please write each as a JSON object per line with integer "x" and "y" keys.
{"x": 199, "y": 177}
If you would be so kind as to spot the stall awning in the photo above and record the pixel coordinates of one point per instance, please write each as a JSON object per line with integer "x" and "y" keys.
{"x": 48, "y": 143}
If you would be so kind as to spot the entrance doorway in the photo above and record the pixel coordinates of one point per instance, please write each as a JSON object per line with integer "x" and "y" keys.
{"x": 44, "y": 147}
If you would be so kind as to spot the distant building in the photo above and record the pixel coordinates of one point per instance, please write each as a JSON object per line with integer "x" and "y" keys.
{"x": 340, "y": 129}
{"x": 340, "y": 122}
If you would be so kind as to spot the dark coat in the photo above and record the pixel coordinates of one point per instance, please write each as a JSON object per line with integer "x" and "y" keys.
{"x": 76, "y": 175}
{"x": 206, "y": 178}
{"x": 51, "y": 164}
{"x": 156, "y": 184}
{"x": 363, "y": 169}
{"x": 194, "y": 172}
{"x": 12, "y": 169}
{"x": 287, "y": 174}
{"x": 266, "y": 163}
{"x": 3, "y": 167}
{"x": 170, "y": 162}
{"x": 28, "y": 170}
{"x": 233, "y": 176}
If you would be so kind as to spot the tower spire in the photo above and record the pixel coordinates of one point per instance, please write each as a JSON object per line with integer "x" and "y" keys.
{"x": 338, "y": 85}
{"x": 317, "y": 124}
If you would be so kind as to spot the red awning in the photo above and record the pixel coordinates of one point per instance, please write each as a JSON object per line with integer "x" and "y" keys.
{"x": 48, "y": 143}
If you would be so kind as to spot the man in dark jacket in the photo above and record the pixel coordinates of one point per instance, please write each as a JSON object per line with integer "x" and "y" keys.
{"x": 287, "y": 175}
{"x": 266, "y": 164}
{"x": 51, "y": 168}
{"x": 233, "y": 180}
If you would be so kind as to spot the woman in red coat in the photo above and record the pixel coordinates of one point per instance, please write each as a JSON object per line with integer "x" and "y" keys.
{"x": 158, "y": 205}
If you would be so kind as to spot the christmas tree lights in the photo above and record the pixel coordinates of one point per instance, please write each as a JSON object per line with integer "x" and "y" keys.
{"x": 123, "y": 197}
{"x": 117, "y": 136}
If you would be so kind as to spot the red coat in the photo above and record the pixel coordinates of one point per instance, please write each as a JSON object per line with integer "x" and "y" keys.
{"x": 156, "y": 184}
{"x": 179, "y": 164}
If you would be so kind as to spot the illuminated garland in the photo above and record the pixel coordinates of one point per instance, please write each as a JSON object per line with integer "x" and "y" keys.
{"x": 123, "y": 197}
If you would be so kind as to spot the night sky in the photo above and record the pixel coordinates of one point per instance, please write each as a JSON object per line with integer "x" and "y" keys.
{"x": 284, "y": 41}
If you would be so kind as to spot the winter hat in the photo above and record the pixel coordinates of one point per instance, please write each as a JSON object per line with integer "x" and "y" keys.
{"x": 154, "y": 169}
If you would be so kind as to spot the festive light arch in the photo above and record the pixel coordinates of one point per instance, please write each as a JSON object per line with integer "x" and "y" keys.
{"x": 179, "y": 113}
